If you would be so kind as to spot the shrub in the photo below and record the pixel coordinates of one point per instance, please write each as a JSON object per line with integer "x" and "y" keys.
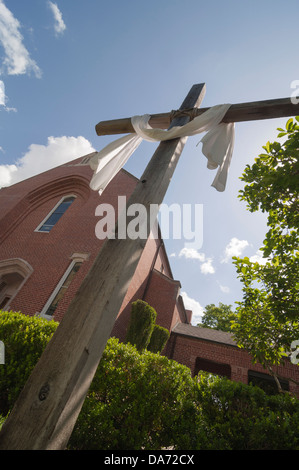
{"x": 236, "y": 416}
{"x": 136, "y": 401}
{"x": 141, "y": 324}
{"x": 147, "y": 401}
{"x": 25, "y": 338}
{"x": 158, "y": 339}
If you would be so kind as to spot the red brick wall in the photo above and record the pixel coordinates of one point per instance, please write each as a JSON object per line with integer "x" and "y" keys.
{"x": 154, "y": 287}
{"x": 26, "y": 204}
{"x": 49, "y": 254}
{"x": 162, "y": 294}
{"x": 137, "y": 287}
{"x": 185, "y": 350}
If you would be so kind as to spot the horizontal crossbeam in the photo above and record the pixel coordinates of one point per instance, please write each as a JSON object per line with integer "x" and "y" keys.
{"x": 250, "y": 111}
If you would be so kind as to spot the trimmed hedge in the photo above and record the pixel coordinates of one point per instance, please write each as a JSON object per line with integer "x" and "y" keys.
{"x": 158, "y": 339}
{"x": 24, "y": 338}
{"x": 143, "y": 332}
{"x": 141, "y": 324}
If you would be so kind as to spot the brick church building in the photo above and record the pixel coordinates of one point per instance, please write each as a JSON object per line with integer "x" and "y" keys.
{"x": 48, "y": 244}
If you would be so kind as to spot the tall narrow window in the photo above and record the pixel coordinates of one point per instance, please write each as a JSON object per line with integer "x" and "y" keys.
{"x": 4, "y": 302}
{"x": 55, "y": 215}
{"x": 9, "y": 286}
{"x": 61, "y": 289}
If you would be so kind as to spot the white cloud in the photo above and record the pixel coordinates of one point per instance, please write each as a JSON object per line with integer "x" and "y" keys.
{"x": 191, "y": 253}
{"x": 224, "y": 289}
{"x": 234, "y": 248}
{"x": 59, "y": 25}
{"x": 40, "y": 158}
{"x": 2, "y": 94}
{"x": 192, "y": 304}
{"x": 6, "y": 174}
{"x": 17, "y": 59}
{"x": 3, "y": 98}
{"x": 206, "y": 266}
{"x": 258, "y": 258}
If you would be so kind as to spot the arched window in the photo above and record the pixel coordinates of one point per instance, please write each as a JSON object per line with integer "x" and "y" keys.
{"x": 13, "y": 274}
{"x": 10, "y": 284}
{"x": 56, "y": 213}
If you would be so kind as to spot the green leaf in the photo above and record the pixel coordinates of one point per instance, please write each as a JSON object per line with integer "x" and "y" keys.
{"x": 289, "y": 124}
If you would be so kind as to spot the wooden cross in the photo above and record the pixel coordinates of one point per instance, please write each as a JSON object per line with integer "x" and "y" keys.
{"x": 252, "y": 111}
{"x": 47, "y": 408}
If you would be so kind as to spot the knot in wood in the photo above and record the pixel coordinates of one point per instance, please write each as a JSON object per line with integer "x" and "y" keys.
{"x": 44, "y": 392}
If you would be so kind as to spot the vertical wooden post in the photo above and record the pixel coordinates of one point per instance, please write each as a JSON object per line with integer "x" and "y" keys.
{"x": 47, "y": 408}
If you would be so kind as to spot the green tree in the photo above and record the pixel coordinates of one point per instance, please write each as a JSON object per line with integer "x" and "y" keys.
{"x": 267, "y": 320}
{"x": 218, "y": 318}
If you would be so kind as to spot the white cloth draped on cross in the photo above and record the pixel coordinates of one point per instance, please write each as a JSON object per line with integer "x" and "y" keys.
{"x": 217, "y": 145}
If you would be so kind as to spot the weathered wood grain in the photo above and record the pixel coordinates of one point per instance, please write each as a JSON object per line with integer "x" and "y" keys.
{"x": 250, "y": 111}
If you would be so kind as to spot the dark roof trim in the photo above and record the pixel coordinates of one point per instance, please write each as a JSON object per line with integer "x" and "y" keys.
{"x": 204, "y": 334}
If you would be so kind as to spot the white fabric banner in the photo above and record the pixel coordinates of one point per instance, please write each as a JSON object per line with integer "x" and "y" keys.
{"x": 217, "y": 146}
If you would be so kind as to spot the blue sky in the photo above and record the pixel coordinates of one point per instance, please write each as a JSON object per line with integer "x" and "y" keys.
{"x": 66, "y": 65}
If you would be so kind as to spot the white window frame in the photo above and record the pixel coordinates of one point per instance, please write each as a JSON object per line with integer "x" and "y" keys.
{"x": 76, "y": 257}
{"x": 51, "y": 212}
